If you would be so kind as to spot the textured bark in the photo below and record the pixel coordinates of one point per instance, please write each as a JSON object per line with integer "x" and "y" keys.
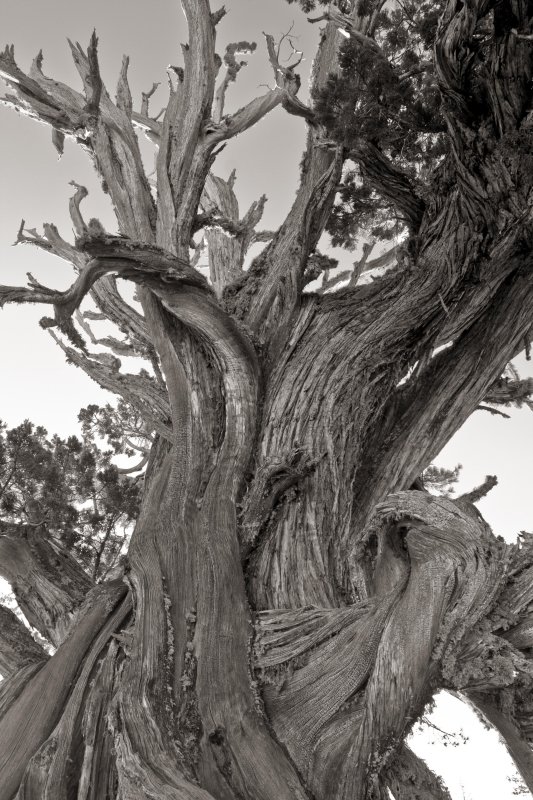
{"x": 516, "y": 743}
{"x": 289, "y": 602}
{"x": 409, "y": 778}
{"x": 47, "y": 581}
{"x": 18, "y": 648}
{"x": 31, "y": 717}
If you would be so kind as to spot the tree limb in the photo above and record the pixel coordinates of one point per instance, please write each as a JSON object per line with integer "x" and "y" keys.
{"x": 389, "y": 181}
{"x": 451, "y": 377}
{"x": 33, "y": 715}
{"x": 227, "y": 252}
{"x": 120, "y": 257}
{"x": 510, "y": 392}
{"x": 479, "y": 492}
{"x": 269, "y": 294}
{"x": 141, "y": 390}
{"x": 516, "y": 744}
{"x": 18, "y": 648}
{"x": 233, "y": 68}
{"x": 97, "y": 123}
{"x": 182, "y": 164}
{"x": 410, "y": 778}
{"x": 47, "y": 581}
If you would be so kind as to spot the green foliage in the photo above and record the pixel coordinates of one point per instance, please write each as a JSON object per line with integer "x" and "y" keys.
{"x": 121, "y": 426}
{"x": 71, "y": 487}
{"x": 318, "y": 263}
{"x": 386, "y": 94}
{"x": 359, "y": 208}
{"x": 440, "y": 480}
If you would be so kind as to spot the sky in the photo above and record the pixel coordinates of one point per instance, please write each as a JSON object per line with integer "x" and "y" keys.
{"x": 39, "y": 385}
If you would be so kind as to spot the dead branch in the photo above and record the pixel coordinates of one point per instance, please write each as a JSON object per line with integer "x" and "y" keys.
{"x": 494, "y": 411}
{"x": 141, "y": 391}
{"x": 74, "y": 208}
{"x": 233, "y": 67}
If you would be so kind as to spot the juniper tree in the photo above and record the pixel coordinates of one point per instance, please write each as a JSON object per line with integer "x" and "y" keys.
{"x": 292, "y": 596}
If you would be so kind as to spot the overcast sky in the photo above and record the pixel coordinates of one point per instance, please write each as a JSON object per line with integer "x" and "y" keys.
{"x": 36, "y": 382}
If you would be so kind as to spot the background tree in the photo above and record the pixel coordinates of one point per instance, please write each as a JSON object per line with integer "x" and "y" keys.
{"x": 292, "y": 597}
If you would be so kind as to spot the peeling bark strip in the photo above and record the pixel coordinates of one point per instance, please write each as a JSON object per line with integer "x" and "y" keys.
{"x": 290, "y": 601}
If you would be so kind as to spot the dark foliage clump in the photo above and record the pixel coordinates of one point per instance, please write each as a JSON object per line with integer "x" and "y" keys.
{"x": 71, "y": 487}
{"x": 385, "y": 94}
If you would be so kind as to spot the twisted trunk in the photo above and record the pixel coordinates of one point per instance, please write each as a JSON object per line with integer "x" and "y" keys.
{"x": 288, "y": 604}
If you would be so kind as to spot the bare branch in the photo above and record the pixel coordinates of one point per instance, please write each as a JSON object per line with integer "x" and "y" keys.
{"x": 108, "y": 299}
{"x": 385, "y": 260}
{"x": 182, "y": 165}
{"x": 65, "y": 303}
{"x": 271, "y": 291}
{"x": 345, "y": 23}
{"x": 515, "y": 742}
{"x": 287, "y": 86}
{"x": 233, "y": 67}
{"x": 123, "y": 98}
{"x": 115, "y": 345}
{"x": 221, "y": 217}
{"x": 74, "y": 208}
{"x": 61, "y": 109}
{"x": 359, "y": 266}
{"x": 94, "y": 121}
{"x": 140, "y": 391}
{"x": 289, "y": 82}
{"x": 151, "y": 127}
{"x": 146, "y": 99}
{"x": 494, "y": 411}
{"x": 104, "y": 292}
{"x": 115, "y": 147}
{"x": 246, "y": 117}
{"x": 111, "y": 254}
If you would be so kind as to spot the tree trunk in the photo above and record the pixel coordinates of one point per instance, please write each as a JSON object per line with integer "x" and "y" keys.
{"x": 289, "y": 603}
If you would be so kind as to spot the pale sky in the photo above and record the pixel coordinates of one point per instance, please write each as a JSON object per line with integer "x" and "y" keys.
{"x": 36, "y": 382}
